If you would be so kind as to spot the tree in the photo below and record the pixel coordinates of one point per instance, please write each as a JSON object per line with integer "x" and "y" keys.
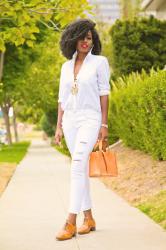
{"x": 43, "y": 76}
{"x": 129, "y": 9}
{"x": 20, "y": 22}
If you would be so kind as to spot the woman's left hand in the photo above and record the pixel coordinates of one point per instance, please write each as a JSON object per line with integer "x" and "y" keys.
{"x": 103, "y": 134}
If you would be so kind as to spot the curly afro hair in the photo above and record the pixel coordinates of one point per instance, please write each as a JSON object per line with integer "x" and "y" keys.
{"x": 78, "y": 30}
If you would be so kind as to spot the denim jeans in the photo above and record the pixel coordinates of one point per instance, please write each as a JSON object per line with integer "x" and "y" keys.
{"x": 81, "y": 130}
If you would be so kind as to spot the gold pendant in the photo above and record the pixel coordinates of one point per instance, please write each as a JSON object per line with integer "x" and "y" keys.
{"x": 74, "y": 89}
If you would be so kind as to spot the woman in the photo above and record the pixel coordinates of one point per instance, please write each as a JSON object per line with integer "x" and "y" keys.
{"x": 82, "y": 114}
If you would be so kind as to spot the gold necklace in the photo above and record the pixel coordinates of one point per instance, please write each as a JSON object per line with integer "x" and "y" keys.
{"x": 74, "y": 89}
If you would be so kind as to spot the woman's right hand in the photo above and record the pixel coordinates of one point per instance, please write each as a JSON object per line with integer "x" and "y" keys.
{"x": 58, "y": 135}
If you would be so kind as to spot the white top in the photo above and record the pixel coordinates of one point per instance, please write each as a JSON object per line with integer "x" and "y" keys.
{"x": 92, "y": 80}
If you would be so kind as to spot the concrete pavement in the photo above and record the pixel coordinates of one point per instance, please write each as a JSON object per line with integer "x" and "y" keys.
{"x": 34, "y": 207}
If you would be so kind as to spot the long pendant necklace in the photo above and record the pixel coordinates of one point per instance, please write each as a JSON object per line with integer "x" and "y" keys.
{"x": 74, "y": 89}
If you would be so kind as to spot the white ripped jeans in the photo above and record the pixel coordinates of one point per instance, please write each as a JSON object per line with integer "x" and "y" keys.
{"x": 81, "y": 130}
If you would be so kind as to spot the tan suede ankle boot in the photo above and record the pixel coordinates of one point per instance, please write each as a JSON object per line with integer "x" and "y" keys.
{"x": 87, "y": 226}
{"x": 67, "y": 232}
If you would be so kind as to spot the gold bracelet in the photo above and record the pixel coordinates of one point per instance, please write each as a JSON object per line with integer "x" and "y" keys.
{"x": 104, "y": 125}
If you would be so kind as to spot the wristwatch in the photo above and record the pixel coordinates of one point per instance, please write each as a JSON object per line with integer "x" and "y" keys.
{"x": 104, "y": 125}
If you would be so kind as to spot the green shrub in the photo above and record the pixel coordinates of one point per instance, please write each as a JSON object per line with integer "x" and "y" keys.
{"x": 137, "y": 44}
{"x": 137, "y": 112}
{"x": 46, "y": 125}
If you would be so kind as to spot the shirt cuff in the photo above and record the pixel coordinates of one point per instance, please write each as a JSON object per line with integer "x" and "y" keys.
{"x": 104, "y": 92}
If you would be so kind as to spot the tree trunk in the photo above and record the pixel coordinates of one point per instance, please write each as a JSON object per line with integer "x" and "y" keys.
{"x": 15, "y": 126}
{"x": 5, "y": 107}
{"x": 1, "y": 64}
{"x": 126, "y": 9}
{"x": 130, "y": 8}
{"x": 5, "y": 110}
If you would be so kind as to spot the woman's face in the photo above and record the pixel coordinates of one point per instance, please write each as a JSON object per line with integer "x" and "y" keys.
{"x": 85, "y": 44}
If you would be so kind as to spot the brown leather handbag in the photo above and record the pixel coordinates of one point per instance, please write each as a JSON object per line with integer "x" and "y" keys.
{"x": 102, "y": 162}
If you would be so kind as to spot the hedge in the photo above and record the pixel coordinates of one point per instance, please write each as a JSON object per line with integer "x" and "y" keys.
{"x": 137, "y": 44}
{"x": 137, "y": 112}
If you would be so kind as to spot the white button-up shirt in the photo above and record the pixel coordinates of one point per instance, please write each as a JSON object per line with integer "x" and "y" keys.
{"x": 92, "y": 79}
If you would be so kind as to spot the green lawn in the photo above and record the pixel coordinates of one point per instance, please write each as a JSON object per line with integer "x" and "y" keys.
{"x": 155, "y": 208}
{"x": 13, "y": 153}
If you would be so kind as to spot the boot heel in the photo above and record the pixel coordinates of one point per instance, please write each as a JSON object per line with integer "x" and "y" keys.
{"x": 93, "y": 228}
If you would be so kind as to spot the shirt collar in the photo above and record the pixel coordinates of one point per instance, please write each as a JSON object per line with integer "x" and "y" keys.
{"x": 88, "y": 54}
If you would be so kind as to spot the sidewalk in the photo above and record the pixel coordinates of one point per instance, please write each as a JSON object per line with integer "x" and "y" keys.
{"x": 34, "y": 207}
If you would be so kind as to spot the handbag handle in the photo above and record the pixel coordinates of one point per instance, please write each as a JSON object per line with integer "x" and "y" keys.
{"x": 101, "y": 144}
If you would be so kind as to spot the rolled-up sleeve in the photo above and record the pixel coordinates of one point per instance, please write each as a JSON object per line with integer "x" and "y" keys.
{"x": 103, "y": 76}
{"x": 61, "y": 85}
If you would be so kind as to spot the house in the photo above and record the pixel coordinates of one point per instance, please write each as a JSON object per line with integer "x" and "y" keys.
{"x": 156, "y": 8}
{"x": 106, "y": 11}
